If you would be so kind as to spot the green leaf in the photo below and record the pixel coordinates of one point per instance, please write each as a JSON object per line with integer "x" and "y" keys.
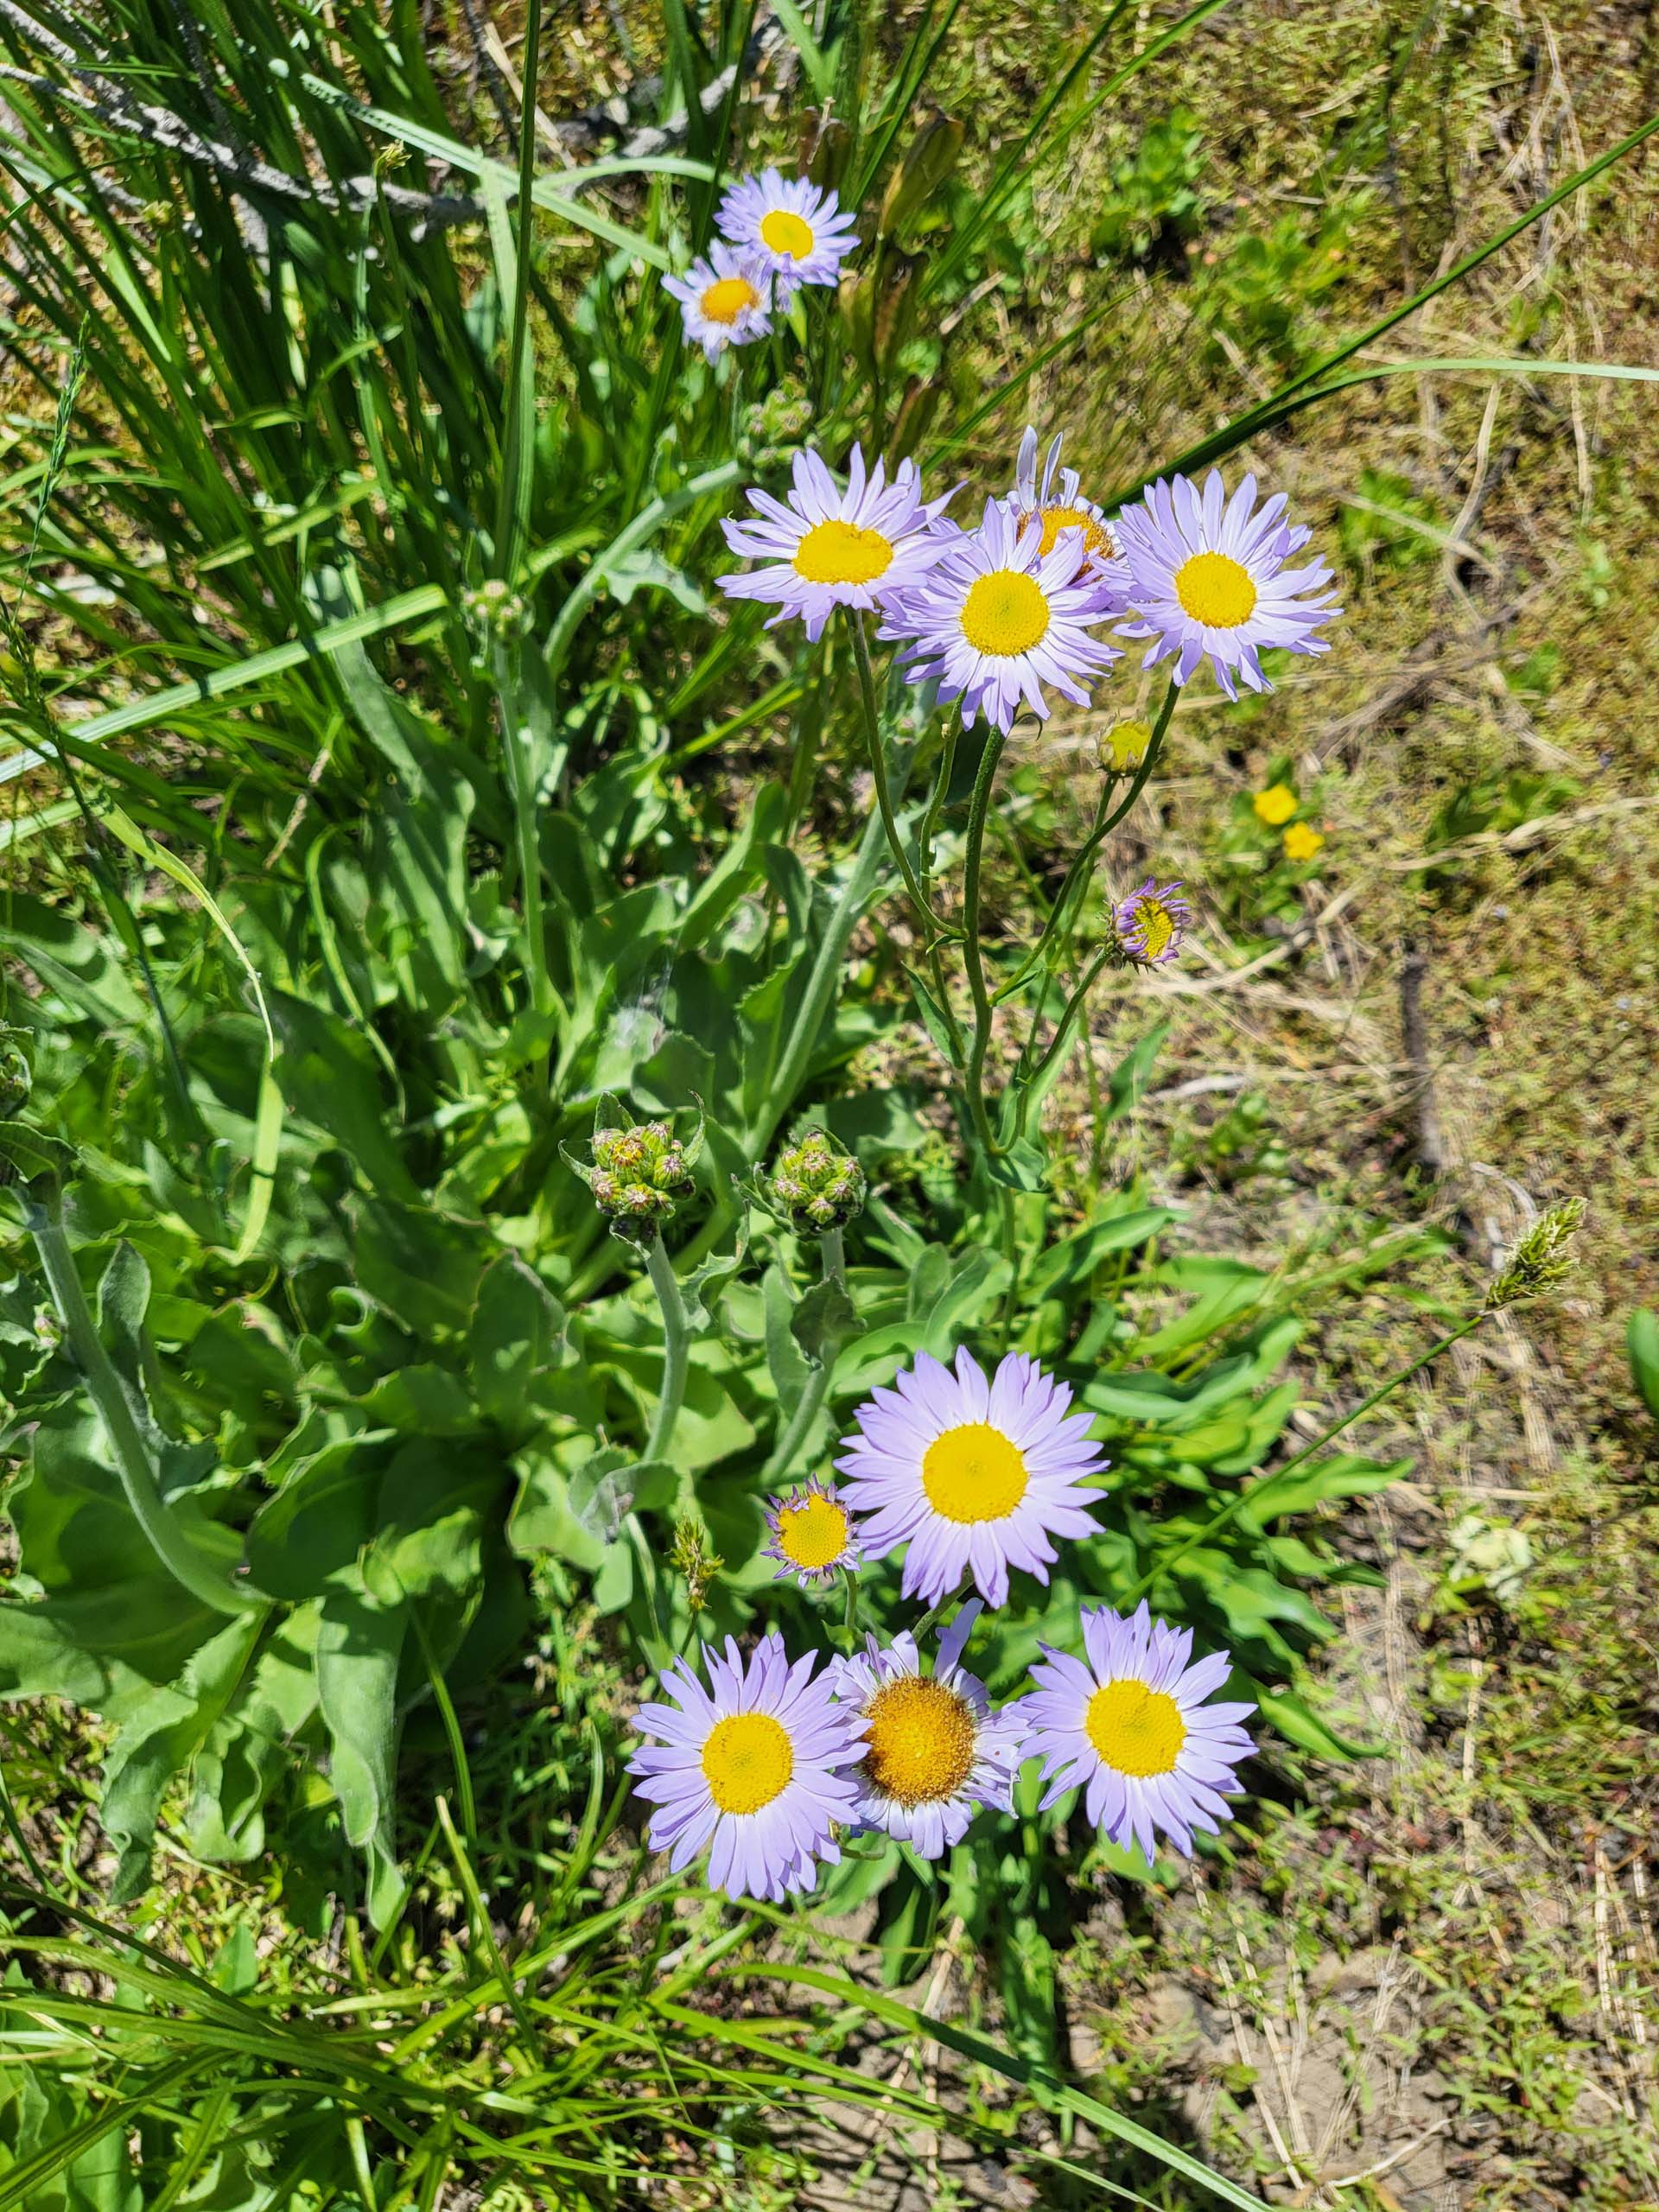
{"x": 823, "y": 1320}
{"x": 1298, "y": 1724}
{"x": 359, "y": 1642}
{"x": 517, "y": 1338}
{"x": 32, "y": 1153}
{"x": 1643, "y": 1339}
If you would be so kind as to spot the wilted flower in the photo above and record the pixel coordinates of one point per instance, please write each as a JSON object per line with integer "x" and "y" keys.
{"x": 816, "y": 1184}
{"x": 1275, "y": 804}
{"x": 639, "y": 1173}
{"x": 750, "y": 1767}
{"x": 1151, "y": 923}
{"x": 998, "y": 620}
{"x": 1060, "y": 508}
{"x": 934, "y": 1751}
{"x": 811, "y": 1534}
{"x": 827, "y": 548}
{"x": 974, "y": 1474}
{"x": 800, "y": 233}
{"x": 1130, "y": 1723}
{"x": 725, "y": 300}
{"x": 1208, "y": 576}
{"x": 1302, "y": 840}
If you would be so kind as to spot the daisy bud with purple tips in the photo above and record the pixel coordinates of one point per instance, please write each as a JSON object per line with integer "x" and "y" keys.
{"x": 1208, "y": 578}
{"x": 976, "y": 1474}
{"x": 751, "y": 1768}
{"x": 1129, "y": 1724}
{"x": 1151, "y": 922}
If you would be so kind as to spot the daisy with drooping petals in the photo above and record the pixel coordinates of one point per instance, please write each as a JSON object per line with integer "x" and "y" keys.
{"x": 829, "y": 547}
{"x": 811, "y": 1534}
{"x": 1151, "y": 922}
{"x": 1207, "y": 576}
{"x": 1131, "y": 1725}
{"x": 934, "y": 1751}
{"x": 999, "y": 618}
{"x": 975, "y": 1474}
{"x": 802, "y": 233}
{"x": 1059, "y": 507}
{"x": 725, "y": 300}
{"x": 752, "y": 1767}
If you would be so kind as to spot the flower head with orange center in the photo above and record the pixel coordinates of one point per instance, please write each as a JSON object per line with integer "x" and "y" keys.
{"x": 752, "y": 1767}
{"x": 830, "y": 546}
{"x": 801, "y": 233}
{"x": 725, "y": 300}
{"x": 1129, "y": 1722}
{"x": 1208, "y": 578}
{"x": 811, "y": 1534}
{"x": 1302, "y": 842}
{"x": 998, "y": 620}
{"x": 934, "y": 1751}
{"x": 976, "y": 1474}
{"x": 1275, "y": 805}
{"x": 1055, "y": 501}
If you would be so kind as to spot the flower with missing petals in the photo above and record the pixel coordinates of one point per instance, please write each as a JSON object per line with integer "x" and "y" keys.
{"x": 1151, "y": 923}
{"x": 725, "y": 300}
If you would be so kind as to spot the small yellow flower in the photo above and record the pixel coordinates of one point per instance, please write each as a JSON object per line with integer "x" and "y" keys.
{"x": 1124, "y": 747}
{"x": 1301, "y": 841}
{"x": 1275, "y": 804}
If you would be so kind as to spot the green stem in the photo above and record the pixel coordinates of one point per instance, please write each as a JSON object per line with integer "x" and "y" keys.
{"x": 811, "y": 1402}
{"x": 973, "y": 958}
{"x": 924, "y": 854}
{"x": 1235, "y": 1505}
{"x": 675, "y": 1344}
{"x": 1104, "y": 825}
{"x": 930, "y": 921}
{"x": 1033, "y": 1087}
{"x": 188, "y": 1565}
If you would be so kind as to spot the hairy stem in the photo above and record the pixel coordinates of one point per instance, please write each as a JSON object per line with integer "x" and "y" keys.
{"x": 932, "y": 926}
{"x": 811, "y": 1403}
{"x": 972, "y": 956}
{"x": 675, "y": 1344}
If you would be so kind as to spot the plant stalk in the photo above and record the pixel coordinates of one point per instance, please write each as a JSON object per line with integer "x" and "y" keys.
{"x": 811, "y": 1402}
{"x": 676, "y": 1345}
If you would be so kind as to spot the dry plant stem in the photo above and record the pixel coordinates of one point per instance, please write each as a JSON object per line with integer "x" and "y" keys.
{"x": 932, "y": 926}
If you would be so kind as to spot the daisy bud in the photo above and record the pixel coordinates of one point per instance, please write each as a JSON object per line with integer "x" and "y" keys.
{"x": 815, "y": 1186}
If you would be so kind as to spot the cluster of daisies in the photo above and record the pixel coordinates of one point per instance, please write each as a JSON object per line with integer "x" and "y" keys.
{"x": 998, "y": 615}
{"x": 763, "y": 1761}
{"x": 777, "y": 233}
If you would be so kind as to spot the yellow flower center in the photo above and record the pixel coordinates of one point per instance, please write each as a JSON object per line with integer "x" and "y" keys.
{"x": 786, "y": 233}
{"x": 921, "y": 1741}
{"x": 748, "y": 1759}
{"x": 1275, "y": 804}
{"x": 974, "y": 1473}
{"x": 726, "y": 299}
{"x": 1005, "y": 614}
{"x": 841, "y": 553}
{"x": 1157, "y": 926}
{"x": 1136, "y": 1731}
{"x": 1216, "y": 590}
{"x": 1095, "y": 540}
{"x": 813, "y": 1533}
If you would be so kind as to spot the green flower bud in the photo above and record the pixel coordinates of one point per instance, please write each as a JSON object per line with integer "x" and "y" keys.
{"x": 816, "y": 1184}
{"x": 638, "y": 1174}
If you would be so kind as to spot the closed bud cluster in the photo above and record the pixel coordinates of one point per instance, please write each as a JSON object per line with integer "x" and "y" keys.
{"x": 494, "y": 612}
{"x": 638, "y": 1175}
{"x": 15, "y": 1081}
{"x": 816, "y": 1184}
{"x": 769, "y": 433}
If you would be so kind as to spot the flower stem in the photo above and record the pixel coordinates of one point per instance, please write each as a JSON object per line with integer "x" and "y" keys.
{"x": 1236, "y": 1504}
{"x": 811, "y": 1402}
{"x": 676, "y": 1343}
{"x": 930, "y": 921}
{"x": 973, "y": 959}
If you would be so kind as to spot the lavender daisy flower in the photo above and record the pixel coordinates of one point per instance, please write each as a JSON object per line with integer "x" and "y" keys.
{"x": 998, "y": 620}
{"x": 1207, "y": 575}
{"x": 1151, "y": 922}
{"x": 827, "y": 548}
{"x": 1059, "y": 507}
{"x": 725, "y": 300}
{"x": 934, "y": 1751}
{"x": 750, "y": 1767}
{"x": 802, "y": 233}
{"x": 1131, "y": 1725}
{"x": 811, "y": 1534}
{"x": 974, "y": 1475}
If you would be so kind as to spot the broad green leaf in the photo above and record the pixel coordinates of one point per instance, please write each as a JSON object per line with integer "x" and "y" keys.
{"x": 1643, "y": 1339}
{"x": 359, "y": 1642}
